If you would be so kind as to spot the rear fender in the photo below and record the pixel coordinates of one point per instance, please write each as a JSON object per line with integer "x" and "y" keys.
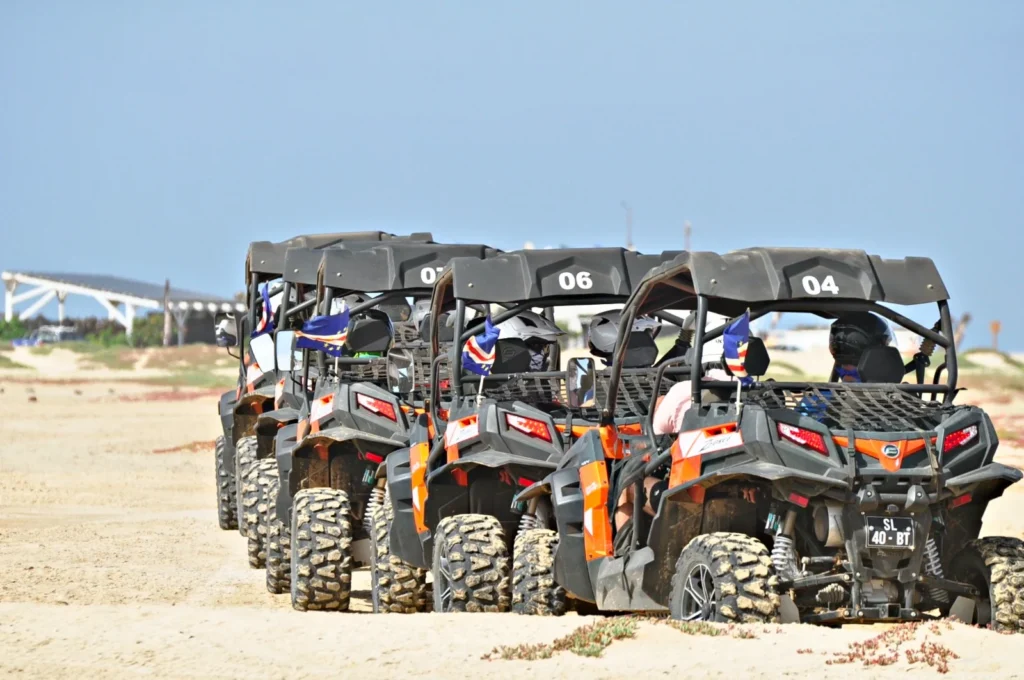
{"x": 247, "y": 411}
{"x": 226, "y": 410}
{"x": 284, "y": 443}
{"x": 995, "y": 477}
{"x": 267, "y": 424}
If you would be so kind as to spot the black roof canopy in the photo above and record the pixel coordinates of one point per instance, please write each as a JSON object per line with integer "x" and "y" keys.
{"x": 267, "y": 259}
{"x": 746, "y": 278}
{"x": 595, "y": 273}
{"x": 394, "y": 266}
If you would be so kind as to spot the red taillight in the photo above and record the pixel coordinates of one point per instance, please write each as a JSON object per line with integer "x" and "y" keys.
{"x": 445, "y": 384}
{"x": 374, "y": 458}
{"x": 804, "y": 438}
{"x": 797, "y": 499}
{"x": 960, "y": 500}
{"x": 955, "y": 440}
{"x": 378, "y": 406}
{"x": 537, "y": 429}
{"x": 524, "y": 482}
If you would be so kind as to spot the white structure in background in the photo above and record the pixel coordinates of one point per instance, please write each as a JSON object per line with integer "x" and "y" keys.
{"x": 110, "y": 291}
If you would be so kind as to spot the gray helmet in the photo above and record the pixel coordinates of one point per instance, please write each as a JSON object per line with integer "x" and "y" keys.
{"x": 604, "y": 328}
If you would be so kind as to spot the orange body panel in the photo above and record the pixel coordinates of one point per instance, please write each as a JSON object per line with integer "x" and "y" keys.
{"x": 610, "y": 442}
{"x": 873, "y": 449}
{"x": 687, "y": 453}
{"x": 418, "y": 467}
{"x": 597, "y": 526}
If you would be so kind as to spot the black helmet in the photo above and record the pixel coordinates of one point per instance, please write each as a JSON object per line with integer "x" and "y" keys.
{"x": 855, "y": 332}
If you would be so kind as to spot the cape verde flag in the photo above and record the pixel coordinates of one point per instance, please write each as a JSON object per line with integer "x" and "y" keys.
{"x": 325, "y": 333}
{"x": 266, "y": 320}
{"x": 735, "y": 340}
{"x": 478, "y": 356}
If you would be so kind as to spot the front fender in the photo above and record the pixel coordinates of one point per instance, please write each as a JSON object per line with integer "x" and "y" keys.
{"x": 998, "y": 475}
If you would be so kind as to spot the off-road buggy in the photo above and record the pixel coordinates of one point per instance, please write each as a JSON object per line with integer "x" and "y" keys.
{"x": 238, "y": 409}
{"x": 327, "y": 462}
{"x": 450, "y": 506}
{"x": 825, "y": 503}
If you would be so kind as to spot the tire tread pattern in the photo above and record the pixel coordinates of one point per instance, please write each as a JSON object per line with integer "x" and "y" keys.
{"x": 479, "y": 562}
{"x": 401, "y": 588}
{"x": 534, "y": 589}
{"x": 743, "y": 572}
{"x": 321, "y": 564}
{"x": 227, "y": 504}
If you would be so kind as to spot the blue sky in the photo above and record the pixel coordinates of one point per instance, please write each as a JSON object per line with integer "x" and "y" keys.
{"x": 155, "y": 140}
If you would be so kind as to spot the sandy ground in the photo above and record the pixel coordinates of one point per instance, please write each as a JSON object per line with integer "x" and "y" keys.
{"x": 112, "y": 565}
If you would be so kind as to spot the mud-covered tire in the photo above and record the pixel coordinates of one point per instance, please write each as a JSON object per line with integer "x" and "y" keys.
{"x": 321, "y": 562}
{"x": 995, "y": 565}
{"x": 534, "y": 590}
{"x": 397, "y": 587}
{"x": 738, "y": 580}
{"x": 245, "y": 455}
{"x": 278, "y": 540}
{"x": 254, "y": 503}
{"x": 227, "y": 505}
{"x": 470, "y": 565}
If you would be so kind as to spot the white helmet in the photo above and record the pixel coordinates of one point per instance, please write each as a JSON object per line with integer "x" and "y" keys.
{"x": 530, "y": 326}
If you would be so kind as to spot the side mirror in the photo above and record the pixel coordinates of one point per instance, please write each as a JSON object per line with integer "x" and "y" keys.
{"x": 225, "y": 330}
{"x": 262, "y": 349}
{"x": 287, "y": 357}
{"x": 581, "y": 375}
{"x": 401, "y": 369}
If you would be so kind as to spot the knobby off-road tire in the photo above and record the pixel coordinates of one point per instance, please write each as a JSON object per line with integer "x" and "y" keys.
{"x": 995, "y": 565}
{"x": 534, "y": 590}
{"x": 245, "y": 456}
{"x": 725, "y": 577}
{"x": 278, "y": 539}
{"x": 321, "y": 564}
{"x": 397, "y": 587}
{"x": 470, "y": 565}
{"x": 227, "y": 505}
{"x": 254, "y": 501}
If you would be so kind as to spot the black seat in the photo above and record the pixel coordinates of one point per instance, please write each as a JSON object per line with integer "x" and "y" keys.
{"x": 370, "y": 331}
{"x": 641, "y": 351}
{"x": 881, "y": 365}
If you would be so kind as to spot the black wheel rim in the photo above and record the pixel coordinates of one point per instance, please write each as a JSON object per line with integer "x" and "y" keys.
{"x": 700, "y": 597}
{"x": 443, "y": 582}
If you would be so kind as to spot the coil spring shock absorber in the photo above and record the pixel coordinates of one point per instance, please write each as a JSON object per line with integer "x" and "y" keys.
{"x": 376, "y": 501}
{"x": 529, "y": 519}
{"x": 783, "y": 550}
{"x": 933, "y": 567}
{"x": 922, "y": 359}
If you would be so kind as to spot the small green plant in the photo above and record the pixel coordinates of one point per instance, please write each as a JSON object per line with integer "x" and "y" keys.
{"x": 7, "y": 362}
{"x": 589, "y": 640}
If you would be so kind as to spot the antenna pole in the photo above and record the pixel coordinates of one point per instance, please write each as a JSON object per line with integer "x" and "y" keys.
{"x": 629, "y": 224}
{"x": 687, "y": 231}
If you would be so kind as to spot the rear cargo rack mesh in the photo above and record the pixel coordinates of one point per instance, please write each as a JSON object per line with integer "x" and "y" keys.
{"x": 865, "y": 408}
{"x": 547, "y": 391}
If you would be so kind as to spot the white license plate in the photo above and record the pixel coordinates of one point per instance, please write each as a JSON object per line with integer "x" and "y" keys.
{"x": 890, "y": 532}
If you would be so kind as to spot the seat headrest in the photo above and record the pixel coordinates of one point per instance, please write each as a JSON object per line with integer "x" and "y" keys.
{"x": 641, "y": 351}
{"x": 445, "y": 334}
{"x": 881, "y": 365}
{"x": 511, "y": 355}
{"x": 370, "y": 332}
{"x": 758, "y": 360}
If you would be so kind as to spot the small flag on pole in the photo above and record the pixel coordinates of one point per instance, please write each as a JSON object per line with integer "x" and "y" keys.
{"x": 735, "y": 340}
{"x": 478, "y": 356}
{"x": 266, "y": 320}
{"x": 325, "y": 334}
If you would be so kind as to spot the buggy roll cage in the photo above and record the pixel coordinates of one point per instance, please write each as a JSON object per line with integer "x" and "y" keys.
{"x": 527, "y": 279}
{"x": 388, "y": 271}
{"x": 691, "y": 281}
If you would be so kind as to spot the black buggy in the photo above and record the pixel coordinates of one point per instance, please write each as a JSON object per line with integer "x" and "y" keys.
{"x": 450, "y": 506}
{"x": 319, "y": 511}
{"x": 239, "y": 409}
{"x": 825, "y": 503}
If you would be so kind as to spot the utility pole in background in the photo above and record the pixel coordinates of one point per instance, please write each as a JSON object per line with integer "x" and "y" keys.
{"x": 167, "y": 313}
{"x": 687, "y": 231}
{"x": 629, "y": 225}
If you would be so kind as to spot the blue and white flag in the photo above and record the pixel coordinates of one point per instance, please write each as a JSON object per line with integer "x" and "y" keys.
{"x": 478, "y": 356}
{"x": 265, "y": 324}
{"x": 734, "y": 341}
{"x": 325, "y": 334}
